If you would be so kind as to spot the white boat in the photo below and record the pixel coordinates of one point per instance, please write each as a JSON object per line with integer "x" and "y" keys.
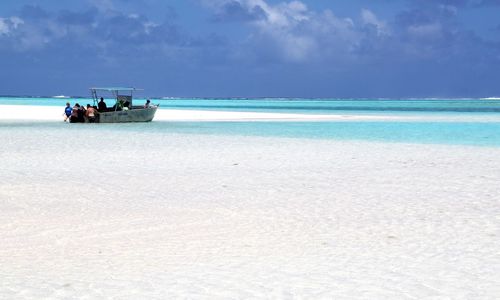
{"x": 123, "y": 109}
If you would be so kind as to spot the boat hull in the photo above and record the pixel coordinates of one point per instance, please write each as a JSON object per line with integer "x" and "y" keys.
{"x": 125, "y": 116}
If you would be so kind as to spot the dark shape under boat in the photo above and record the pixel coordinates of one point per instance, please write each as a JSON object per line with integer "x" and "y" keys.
{"x": 123, "y": 110}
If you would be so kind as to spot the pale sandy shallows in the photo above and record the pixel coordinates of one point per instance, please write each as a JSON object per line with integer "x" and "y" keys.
{"x": 92, "y": 212}
{"x": 28, "y": 113}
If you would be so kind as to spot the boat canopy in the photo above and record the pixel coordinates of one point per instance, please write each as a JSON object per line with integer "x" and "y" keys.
{"x": 118, "y": 94}
{"x": 115, "y": 89}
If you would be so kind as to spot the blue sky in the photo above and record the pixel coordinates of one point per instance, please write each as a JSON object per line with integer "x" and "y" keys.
{"x": 252, "y": 48}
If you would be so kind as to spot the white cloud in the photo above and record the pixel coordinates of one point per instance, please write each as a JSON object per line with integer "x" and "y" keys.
{"x": 7, "y": 25}
{"x": 300, "y": 34}
{"x": 279, "y": 25}
{"x": 369, "y": 18}
{"x": 16, "y": 21}
{"x": 285, "y": 14}
{"x": 148, "y": 26}
{"x": 4, "y": 28}
{"x": 304, "y": 35}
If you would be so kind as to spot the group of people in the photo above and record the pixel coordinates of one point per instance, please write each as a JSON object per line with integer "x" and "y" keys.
{"x": 78, "y": 113}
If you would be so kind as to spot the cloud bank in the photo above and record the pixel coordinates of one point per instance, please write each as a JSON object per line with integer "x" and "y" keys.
{"x": 257, "y": 48}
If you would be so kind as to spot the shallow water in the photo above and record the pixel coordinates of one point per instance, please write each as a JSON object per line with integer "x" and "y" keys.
{"x": 159, "y": 211}
{"x": 479, "y": 134}
{"x": 273, "y": 209}
{"x": 298, "y": 105}
{"x": 447, "y": 133}
{"x": 425, "y": 121}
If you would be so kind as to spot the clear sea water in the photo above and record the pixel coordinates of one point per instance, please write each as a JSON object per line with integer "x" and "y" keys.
{"x": 435, "y": 121}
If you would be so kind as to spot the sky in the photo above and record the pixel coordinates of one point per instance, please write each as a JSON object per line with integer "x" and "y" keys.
{"x": 252, "y": 48}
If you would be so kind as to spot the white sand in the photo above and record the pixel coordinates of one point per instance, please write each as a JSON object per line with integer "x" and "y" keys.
{"x": 161, "y": 216}
{"x": 52, "y": 113}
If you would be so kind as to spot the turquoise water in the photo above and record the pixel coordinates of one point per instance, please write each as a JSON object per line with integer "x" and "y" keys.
{"x": 478, "y": 121}
{"x": 449, "y": 133}
{"x": 323, "y": 106}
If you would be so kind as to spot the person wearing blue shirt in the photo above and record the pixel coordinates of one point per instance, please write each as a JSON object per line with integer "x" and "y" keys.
{"x": 67, "y": 112}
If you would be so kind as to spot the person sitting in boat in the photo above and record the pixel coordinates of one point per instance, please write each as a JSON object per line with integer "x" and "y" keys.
{"x": 81, "y": 114}
{"x": 101, "y": 106}
{"x": 74, "y": 113}
{"x": 126, "y": 105}
{"x": 67, "y": 112}
{"x": 147, "y": 104}
{"x": 90, "y": 113}
{"x": 118, "y": 105}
